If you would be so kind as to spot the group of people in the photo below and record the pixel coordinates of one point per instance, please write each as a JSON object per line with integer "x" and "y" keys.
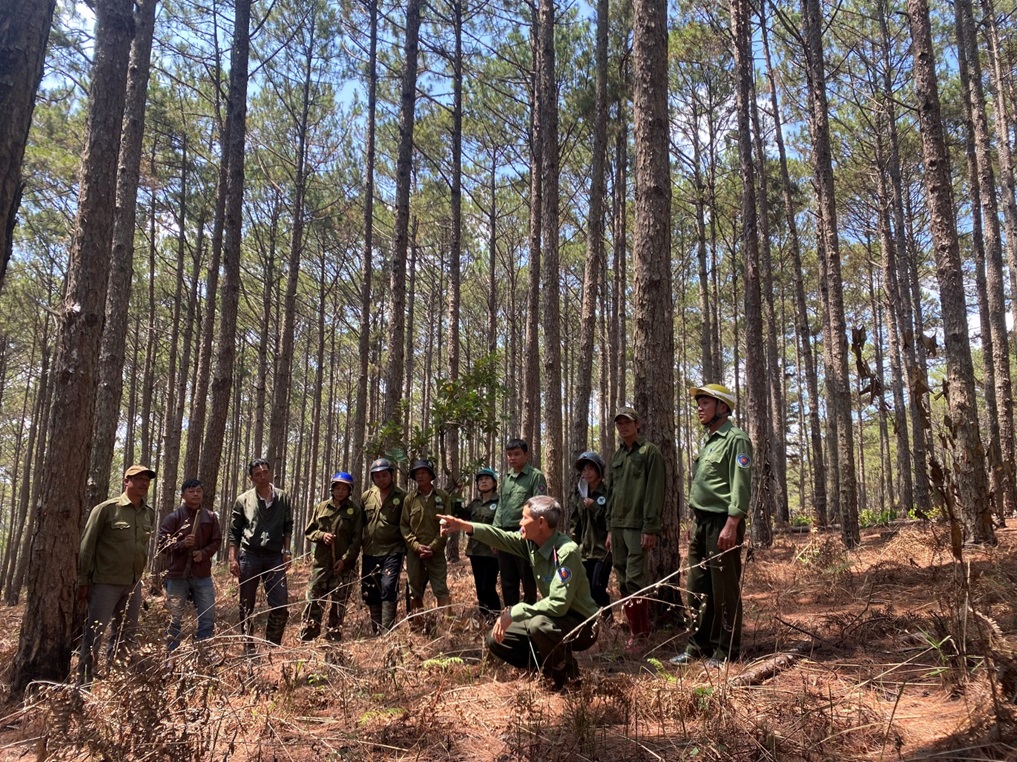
{"x": 518, "y": 537}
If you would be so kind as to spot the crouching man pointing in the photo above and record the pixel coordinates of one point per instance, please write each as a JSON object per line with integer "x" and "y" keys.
{"x": 544, "y": 634}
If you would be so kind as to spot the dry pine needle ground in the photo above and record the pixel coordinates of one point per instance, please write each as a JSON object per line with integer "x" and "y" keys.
{"x": 893, "y": 651}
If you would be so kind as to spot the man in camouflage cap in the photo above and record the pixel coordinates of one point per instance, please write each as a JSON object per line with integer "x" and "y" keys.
{"x": 425, "y": 545}
{"x": 384, "y": 546}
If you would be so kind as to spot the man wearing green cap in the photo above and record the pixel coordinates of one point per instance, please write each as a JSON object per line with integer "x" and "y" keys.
{"x": 425, "y": 545}
{"x": 337, "y": 531}
{"x": 113, "y": 556}
{"x": 635, "y": 501}
{"x": 384, "y": 546}
{"x": 719, "y": 498}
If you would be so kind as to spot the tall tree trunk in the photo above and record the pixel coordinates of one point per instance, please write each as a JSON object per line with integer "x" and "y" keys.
{"x": 552, "y": 460}
{"x": 1001, "y": 450}
{"x": 221, "y": 386}
{"x": 594, "y": 243}
{"x": 23, "y": 37}
{"x": 455, "y": 243}
{"x": 531, "y": 352}
{"x": 801, "y": 306}
{"x": 366, "y": 271}
{"x": 653, "y": 337}
{"x": 121, "y": 275}
{"x": 755, "y": 352}
{"x": 400, "y": 235}
{"x": 279, "y": 421}
{"x": 968, "y": 453}
{"x": 44, "y": 646}
{"x": 839, "y": 401}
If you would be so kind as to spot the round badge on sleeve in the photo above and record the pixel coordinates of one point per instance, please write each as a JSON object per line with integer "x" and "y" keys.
{"x": 396, "y": 501}
{"x": 743, "y": 460}
{"x": 601, "y": 500}
{"x": 541, "y": 489}
{"x": 564, "y": 573}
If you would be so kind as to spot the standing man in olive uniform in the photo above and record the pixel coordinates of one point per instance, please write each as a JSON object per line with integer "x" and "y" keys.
{"x": 383, "y": 545}
{"x": 542, "y": 634}
{"x": 337, "y": 531}
{"x": 590, "y": 520}
{"x": 261, "y": 526}
{"x": 114, "y": 552}
{"x": 719, "y": 498}
{"x": 425, "y": 545}
{"x": 483, "y": 560}
{"x": 635, "y": 501}
{"x": 521, "y": 483}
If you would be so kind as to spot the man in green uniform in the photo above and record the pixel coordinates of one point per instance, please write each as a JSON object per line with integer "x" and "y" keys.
{"x": 384, "y": 546}
{"x": 114, "y": 552}
{"x": 337, "y": 531}
{"x": 521, "y": 483}
{"x": 590, "y": 525}
{"x": 543, "y": 634}
{"x": 425, "y": 545}
{"x": 261, "y": 526}
{"x": 483, "y": 560}
{"x": 719, "y": 498}
{"x": 635, "y": 502}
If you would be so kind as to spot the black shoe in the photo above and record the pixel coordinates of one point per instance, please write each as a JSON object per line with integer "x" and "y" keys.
{"x": 684, "y": 658}
{"x": 309, "y": 634}
{"x": 715, "y": 663}
{"x": 334, "y": 636}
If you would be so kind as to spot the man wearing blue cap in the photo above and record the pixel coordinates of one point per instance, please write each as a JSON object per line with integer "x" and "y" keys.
{"x": 337, "y": 531}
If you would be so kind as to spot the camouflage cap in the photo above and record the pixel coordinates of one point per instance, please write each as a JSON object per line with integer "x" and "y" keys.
{"x": 136, "y": 470}
{"x": 626, "y": 412}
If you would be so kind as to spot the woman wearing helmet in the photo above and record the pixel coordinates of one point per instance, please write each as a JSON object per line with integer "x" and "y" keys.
{"x": 589, "y": 525}
{"x": 337, "y": 531}
{"x": 482, "y": 557}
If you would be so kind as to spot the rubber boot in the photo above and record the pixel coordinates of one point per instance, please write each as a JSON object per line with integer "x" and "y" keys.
{"x": 637, "y": 613}
{"x": 375, "y": 609}
{"x": 418, "y": 621}
{"x": 276, "y": 625}
{"x": 388, "y": 615}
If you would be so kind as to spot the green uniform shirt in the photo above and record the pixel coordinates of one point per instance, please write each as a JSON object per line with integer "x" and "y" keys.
{"x": 479, "y": 512}
{"x": 590, "y": 526}
{"x": 346, "y": 522}
{"x": 260, "y": 528}
{"x": 721, "y": 473}
{"x": 419, "y": 522}
{"x": 382, "y": 518}
{"x": 557, "y": 567}
{"x": 114, "y": 547}
{"x": 516, "y": 489}
{"x": 636, "y": 492}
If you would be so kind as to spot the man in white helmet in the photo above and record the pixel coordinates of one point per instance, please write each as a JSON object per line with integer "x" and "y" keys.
{"x": 719, "y": 498}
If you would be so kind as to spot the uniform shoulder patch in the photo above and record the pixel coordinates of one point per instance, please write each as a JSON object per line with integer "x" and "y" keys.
{"x": 601, "y": 500}
{"x": 743, "y": 460}
{"x": 541, "y": 488}
{"x": 564, "y": 573}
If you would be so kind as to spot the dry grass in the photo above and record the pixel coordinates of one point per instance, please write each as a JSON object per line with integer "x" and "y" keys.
{"x": 902, "y": 655}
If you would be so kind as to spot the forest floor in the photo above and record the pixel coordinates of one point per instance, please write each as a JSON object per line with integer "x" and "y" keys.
{"x": 895, "y": 651}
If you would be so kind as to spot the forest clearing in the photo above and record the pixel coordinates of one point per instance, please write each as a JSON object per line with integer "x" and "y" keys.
{"x": 888, "y": 664}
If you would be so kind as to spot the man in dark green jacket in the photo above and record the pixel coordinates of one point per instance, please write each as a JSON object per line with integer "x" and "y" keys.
{"x": 483, "y": 560}
{"x": 719, "y": 498}
{"x": 114, "y": 552}
{"x": 590, "y": 520}
{"x": 337, "y": 531}
{"x": 543, "y": 634}
{"x": 425, "y": 545}
{"x": 261, "y": 526}
{"x": 636, "y": 500}
{"x": 384, "y": 546}
{"x": 522, "y": 482}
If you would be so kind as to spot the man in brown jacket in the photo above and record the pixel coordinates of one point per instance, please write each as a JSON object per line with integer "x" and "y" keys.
{"x": 188, "y": 538}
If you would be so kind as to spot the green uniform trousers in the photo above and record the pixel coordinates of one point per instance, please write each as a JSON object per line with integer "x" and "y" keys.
{"x": 537, "y": 642}
{"x": 326, "y": 585}
{"x": 715, "y": 587}
{"x": 631, "y": 562}
{"x": 420, "y": 571}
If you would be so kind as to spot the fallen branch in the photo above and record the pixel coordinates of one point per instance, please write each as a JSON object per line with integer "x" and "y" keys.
{"x": 772, "y": 666}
